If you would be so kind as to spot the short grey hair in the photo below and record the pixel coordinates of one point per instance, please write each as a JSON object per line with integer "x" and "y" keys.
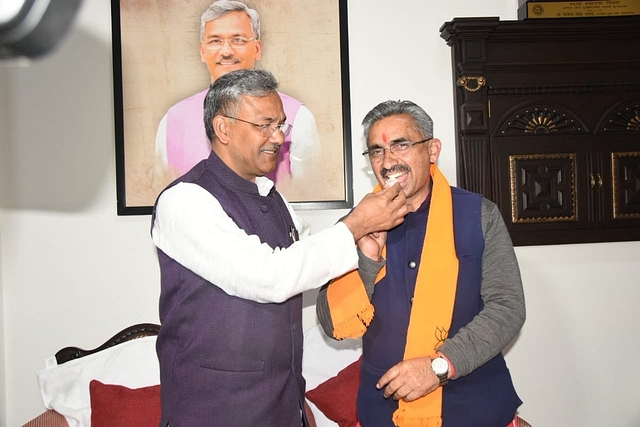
{"x": 389, "y": 108}
{"x": 221, "y": 7}
{"x": 225, "y": 94}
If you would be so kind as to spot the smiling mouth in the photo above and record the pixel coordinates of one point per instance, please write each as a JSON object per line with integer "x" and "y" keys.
{"x": 228, "y": 62}
{"x": 271, "y": 150}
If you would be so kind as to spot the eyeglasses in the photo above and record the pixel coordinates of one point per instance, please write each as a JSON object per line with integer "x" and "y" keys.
{"x": 285, "y": 128}
{"x": 377, "y": 154}
{"x": 217, "y": 43}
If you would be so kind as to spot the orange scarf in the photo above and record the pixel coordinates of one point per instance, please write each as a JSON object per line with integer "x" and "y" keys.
{"x": 432, "y": 310}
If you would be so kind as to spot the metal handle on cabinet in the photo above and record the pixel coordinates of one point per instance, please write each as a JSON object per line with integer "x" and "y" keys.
{"x": 595, "y": 182}
{"x": 464, "y": 82}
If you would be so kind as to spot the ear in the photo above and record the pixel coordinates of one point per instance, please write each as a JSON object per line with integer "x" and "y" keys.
{"x": 203, "y": 51}
{"x": 435, "y": 146}
{"x": 258, "y": 53}
{"x": 221, "y": 128}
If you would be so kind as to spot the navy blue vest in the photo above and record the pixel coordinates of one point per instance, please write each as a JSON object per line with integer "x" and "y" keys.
{"x": 226, "y": 361}
{"x": 484, "y": 398}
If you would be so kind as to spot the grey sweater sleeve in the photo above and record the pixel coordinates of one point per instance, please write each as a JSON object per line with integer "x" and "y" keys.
{"x": 368, "y": 269}
{"x": 504, "y": 310}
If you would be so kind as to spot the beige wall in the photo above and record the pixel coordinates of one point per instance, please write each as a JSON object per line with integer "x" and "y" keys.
{"x": 72, "y": 272}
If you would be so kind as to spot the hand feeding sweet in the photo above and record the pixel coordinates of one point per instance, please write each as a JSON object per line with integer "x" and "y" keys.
{"x": 394, "y": 174}
{"x": 392, "y": 179}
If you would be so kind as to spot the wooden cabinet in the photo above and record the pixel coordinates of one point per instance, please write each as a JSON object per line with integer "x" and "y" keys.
{"x": 548, "y": 124}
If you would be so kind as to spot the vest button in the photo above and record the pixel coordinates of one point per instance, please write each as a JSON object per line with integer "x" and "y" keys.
{"x": 411, "y": 300}
{"x": 264, "y": 208}
{"x": 412, "y": 264}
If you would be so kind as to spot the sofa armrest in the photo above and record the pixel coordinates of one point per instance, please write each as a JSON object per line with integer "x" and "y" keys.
{"x": 49, "y": 418}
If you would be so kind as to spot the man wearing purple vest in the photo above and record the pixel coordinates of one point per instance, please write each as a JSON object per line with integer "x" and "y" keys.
{"x": 230, "y": 40}
{"x": 439, "y": 296}
{"x": 234, "y": 260}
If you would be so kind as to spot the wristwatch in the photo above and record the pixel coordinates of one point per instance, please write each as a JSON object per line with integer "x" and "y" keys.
{"x": 440, "y": 367}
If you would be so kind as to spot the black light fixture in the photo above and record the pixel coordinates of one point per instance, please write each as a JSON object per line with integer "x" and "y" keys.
{"x": 32, "y": 28}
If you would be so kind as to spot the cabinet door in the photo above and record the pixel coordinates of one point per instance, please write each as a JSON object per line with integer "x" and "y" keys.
{"x": 543, "y": 186}
{"x": 617, "y": 180}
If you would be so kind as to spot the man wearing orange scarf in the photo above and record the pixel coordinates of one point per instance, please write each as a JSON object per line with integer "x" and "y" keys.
{"x": 436, "y": 299}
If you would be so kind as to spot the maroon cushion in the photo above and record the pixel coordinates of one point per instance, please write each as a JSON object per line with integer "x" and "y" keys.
{"x": 336, "y": 397}
{"x": 116, "y": 405}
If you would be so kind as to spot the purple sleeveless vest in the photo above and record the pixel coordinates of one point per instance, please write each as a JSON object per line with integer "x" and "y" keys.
{"x": 486, "y": 397}
{"x": 226, "y": 361}
{"x": 187, "y": 141}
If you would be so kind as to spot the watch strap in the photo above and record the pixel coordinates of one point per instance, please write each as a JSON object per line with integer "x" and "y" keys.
{"x": 442, "y": 379}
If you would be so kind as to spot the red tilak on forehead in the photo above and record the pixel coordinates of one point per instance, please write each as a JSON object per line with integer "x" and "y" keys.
{"x": 385, "y": 137}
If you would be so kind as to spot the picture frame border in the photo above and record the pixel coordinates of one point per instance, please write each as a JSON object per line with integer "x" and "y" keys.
{"x": 124, "y": 209}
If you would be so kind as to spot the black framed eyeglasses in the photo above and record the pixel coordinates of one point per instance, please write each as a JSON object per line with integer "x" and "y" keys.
{"x": 285, "y": 128}
{"x": 376, "y": 154}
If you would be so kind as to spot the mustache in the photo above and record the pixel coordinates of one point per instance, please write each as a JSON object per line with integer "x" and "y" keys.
{"x": 396, "y": 168}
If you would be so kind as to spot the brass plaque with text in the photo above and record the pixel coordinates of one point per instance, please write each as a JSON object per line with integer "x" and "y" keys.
{"x": 578, "y": 9}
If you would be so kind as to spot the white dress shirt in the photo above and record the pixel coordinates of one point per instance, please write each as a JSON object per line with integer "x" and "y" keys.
{"x": 192, "y": 228}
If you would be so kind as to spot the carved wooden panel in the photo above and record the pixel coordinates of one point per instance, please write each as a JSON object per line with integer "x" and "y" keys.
{"x": 541, "y": 119}
{"x": 543, "y": 188}
{"x": 625, "y": 176}
{"x": 625, "y": 118}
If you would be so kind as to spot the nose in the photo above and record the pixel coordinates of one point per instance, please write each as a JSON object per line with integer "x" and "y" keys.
{"x": 388, "y": 158}
{"x": 277, "y": 137}
{"x": 226, "y": 47}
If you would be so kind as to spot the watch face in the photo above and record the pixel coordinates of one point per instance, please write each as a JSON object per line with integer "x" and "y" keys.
{"x": 439, "y": 366}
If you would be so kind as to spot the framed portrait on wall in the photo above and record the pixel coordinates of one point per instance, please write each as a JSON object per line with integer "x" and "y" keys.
{"x": 159, "y": 70}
